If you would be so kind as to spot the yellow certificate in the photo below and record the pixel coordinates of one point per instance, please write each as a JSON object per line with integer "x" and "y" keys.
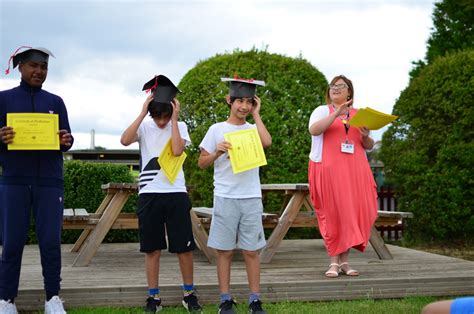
{"x": 34, "y": 131}
{"x": 371, "y": 118}
{"x": 247, "y": 150}
{"x": 169, "y": 163}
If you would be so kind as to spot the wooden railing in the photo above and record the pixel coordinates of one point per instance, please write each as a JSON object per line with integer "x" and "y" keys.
{"x": 388, "y": 202}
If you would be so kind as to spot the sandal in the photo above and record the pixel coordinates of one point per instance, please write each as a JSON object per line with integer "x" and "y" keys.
{"x": 332, "y": 273}
{"x": 350, "y": 272}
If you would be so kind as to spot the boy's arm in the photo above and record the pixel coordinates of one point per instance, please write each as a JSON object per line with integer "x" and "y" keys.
{"x": 177, "y": 142}
{"x": 206, "y": 159}
{"x": 265, "y": 136}
{"x": 130, "y": 135}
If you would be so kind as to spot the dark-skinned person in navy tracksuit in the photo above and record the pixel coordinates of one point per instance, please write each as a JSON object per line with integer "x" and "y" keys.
{"x": 31, "y": 182}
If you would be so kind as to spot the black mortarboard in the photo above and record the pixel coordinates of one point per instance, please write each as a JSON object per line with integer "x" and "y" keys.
{"x": 33, "y": 54}
{"x": 240, "y": 87}
{"x": 36, "y": 54}
{"x": 162, "y": 88}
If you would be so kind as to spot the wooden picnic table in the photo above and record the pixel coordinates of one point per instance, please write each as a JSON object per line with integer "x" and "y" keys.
{"x": 293, "y": 217}
{"x": 297, "y": 198}
{"x": 108, "y": 216}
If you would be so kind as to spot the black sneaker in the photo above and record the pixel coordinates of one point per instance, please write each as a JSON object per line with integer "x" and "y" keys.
{"x": 191, "y": 303}
{"x": 153, "y": 305}
{"x": 256, "y": 307}
{"x": 226, "y": 307}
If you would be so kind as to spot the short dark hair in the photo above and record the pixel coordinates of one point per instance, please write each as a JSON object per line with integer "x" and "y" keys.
{"x": 159, "y": 109}
{"x": 232, "y": 99}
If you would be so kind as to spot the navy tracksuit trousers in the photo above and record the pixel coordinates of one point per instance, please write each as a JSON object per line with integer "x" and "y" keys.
{"x": 17, "y": 202}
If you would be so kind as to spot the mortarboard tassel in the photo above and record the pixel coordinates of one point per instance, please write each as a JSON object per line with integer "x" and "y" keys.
{"x": 154, "y": 86}
{"x": 7, "y": 71}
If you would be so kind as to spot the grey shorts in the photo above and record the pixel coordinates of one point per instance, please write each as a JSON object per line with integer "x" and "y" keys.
{"x": 237, "y": 223}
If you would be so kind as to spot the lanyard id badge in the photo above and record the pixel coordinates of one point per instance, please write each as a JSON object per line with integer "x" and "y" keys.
{"x": 347, "y": 146}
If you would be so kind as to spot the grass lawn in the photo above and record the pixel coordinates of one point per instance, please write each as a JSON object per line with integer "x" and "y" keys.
{"x": 405, "y": 306}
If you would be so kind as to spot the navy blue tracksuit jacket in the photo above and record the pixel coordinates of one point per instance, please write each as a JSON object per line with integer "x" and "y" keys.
{"x": 31, "y": 182}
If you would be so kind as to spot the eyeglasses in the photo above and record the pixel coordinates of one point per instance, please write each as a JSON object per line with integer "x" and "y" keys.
{"x": 338, "y": 86}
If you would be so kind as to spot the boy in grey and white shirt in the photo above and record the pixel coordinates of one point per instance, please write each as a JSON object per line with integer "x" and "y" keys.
{"x": 236, "y": 220}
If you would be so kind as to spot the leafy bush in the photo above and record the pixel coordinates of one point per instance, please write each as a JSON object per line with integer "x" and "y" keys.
{"x": 293, "y": 89}
{"x": 428, "y": 152}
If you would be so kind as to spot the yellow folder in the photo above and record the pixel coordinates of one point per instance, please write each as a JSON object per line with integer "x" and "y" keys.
{"x": 247, "y": 150}
{"x": 371, "y": 118}
{"x": 169, "y": 163}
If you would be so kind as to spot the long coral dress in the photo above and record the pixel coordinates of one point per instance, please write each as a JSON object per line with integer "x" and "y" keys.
{"x": 343, "y": 190}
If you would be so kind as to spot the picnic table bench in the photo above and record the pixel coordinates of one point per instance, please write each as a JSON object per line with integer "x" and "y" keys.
{"x": 108, "y": 216}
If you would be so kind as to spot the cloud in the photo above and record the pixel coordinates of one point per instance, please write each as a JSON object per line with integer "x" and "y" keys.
{"x": 106, "y": 50}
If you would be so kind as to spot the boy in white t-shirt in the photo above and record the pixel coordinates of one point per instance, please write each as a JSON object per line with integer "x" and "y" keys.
{"x": 161, "y": 202}
{"x": 237, "y": 216}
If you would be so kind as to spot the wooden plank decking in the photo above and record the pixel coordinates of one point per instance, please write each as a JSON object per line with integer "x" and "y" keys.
{"x": 116, "y": 277}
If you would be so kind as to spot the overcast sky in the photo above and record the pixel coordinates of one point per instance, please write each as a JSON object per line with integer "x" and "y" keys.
{"x": 106, "y": 50}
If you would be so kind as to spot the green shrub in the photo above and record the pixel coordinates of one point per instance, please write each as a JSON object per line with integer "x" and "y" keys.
{"x": 428, "y": 152}
{"x": 293, "y": 89}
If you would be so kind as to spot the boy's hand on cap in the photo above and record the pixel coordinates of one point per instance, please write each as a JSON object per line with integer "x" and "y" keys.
{"x": 147, "y": 102}
{"x": 256, "y": 106}
{"x": 176, "y": 107}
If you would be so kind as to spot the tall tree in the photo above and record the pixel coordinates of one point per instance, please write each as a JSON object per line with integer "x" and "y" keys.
{"x": 452, "y": 31}
{"x": 428, "y": 151}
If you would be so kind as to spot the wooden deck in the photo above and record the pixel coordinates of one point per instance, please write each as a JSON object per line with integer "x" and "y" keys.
{"x": 116, "y": 276}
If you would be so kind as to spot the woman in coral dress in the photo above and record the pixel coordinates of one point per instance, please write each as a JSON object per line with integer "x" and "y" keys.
{"x": 342, "y": 187}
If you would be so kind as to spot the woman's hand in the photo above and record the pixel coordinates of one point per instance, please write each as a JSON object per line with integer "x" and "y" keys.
{"x": 344, "y": 108}
{"x": 364, "y": 131}
{"x": 367, "y": 141}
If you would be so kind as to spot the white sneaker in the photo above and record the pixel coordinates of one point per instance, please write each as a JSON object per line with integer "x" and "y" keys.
{"x": 6, "y": 307}
{"x": 54, "y": 306}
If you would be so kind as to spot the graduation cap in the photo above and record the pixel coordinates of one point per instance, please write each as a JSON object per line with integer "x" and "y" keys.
{"x": 36, "y": 54}
{"x": 162, "y": 88}
{"x": 240, "y": 87}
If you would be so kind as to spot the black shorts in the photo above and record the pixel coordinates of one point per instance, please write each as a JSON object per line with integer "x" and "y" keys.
{"x": 158, "y": 212}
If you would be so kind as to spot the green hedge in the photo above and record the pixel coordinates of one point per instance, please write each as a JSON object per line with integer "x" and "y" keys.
{"x": 82, "y": 189}
{"x": 429, "y": 152}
